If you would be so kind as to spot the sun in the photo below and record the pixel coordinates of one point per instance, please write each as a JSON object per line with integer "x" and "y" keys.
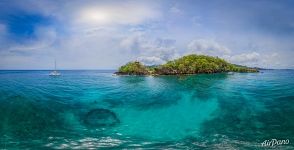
{"x": 95, "y": 16}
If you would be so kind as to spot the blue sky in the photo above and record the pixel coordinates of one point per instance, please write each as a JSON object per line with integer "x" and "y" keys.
{"x": 106, "y": 34}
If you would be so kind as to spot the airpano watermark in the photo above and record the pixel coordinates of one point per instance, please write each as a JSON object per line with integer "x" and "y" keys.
{"x": 274, "y": 142}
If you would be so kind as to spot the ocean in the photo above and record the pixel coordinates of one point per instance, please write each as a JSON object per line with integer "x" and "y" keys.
{"x": 94, "y": 109}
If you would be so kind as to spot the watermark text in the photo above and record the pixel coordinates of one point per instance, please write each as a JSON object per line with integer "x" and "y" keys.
{"x": 274, "y": 142}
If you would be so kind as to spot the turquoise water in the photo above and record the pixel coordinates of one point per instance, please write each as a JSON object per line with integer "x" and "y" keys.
{"x": 95, "y": 109}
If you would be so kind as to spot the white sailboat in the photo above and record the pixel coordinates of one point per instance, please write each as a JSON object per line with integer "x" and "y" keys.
{"x": 54, "y": 72}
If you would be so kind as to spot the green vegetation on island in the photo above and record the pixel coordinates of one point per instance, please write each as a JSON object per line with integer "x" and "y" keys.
{"x": 190, "y": 64}
{"x": 134, "y": 68}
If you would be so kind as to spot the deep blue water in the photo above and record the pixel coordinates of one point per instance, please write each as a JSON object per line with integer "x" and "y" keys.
{"x": 95, "y": 109}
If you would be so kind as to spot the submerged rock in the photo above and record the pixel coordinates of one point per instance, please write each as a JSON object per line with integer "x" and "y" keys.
{"x": 101, "y": 117}
{"x": 23, "y": 118}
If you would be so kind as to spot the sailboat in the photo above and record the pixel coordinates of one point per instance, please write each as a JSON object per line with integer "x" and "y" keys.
{"x": 54, "y": 72}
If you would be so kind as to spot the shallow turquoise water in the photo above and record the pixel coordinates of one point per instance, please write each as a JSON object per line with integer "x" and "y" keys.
{"x": 216, "y": 111}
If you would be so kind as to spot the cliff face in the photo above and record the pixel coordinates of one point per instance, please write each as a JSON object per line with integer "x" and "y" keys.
{"x": 190, "y": 64}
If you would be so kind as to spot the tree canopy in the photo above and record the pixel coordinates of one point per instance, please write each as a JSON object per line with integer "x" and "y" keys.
{"x": 133, "y": 68}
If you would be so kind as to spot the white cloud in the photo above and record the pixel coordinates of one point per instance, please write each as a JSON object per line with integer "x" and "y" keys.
{"x": 252, "y": 59}
{"x": 273, "y": 60}
{"x": 45, "y": 37}
{"x": 245, "y": 58}
{"x": 150, "y": 60}
{"x": 150, "y": 51}
{"x": 30, "y": 53}
{"x": 175, "y": 10}
{"x": 255, "y": 59}
{"x": 109, "y": 14}
{"x": 207, "y": 47}
{"x": 133, "y": 42}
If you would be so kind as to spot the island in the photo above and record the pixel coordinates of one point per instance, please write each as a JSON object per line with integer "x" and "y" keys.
{"x": 189, "y": 64}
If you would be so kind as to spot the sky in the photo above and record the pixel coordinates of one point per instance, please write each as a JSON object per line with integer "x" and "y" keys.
{"x": 105, "y": 34}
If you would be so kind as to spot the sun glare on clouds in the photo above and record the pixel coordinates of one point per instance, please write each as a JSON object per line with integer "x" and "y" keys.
{"x": 125, "y": 14}
{"x": 94, "y": 16}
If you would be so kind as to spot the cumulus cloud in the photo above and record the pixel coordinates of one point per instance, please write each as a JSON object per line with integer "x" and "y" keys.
{"x": 150, "y": 60}
{"x": 213, "y": 48}
{"x": 257, "y": 59}
{"x": 273, "y": 60}
{"x": 252, "y": 57}
{"x": 207, "y": 47}
{"x": 149, "y": 50}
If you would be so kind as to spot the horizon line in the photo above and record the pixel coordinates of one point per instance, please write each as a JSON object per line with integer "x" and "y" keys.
{"x": 106, "y": 69}
{"x": 53, "y": 69}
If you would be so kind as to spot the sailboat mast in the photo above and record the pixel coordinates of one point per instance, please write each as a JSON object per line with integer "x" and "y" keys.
{"x": 54, "y": 72}
{"x": 55, "y": 64}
